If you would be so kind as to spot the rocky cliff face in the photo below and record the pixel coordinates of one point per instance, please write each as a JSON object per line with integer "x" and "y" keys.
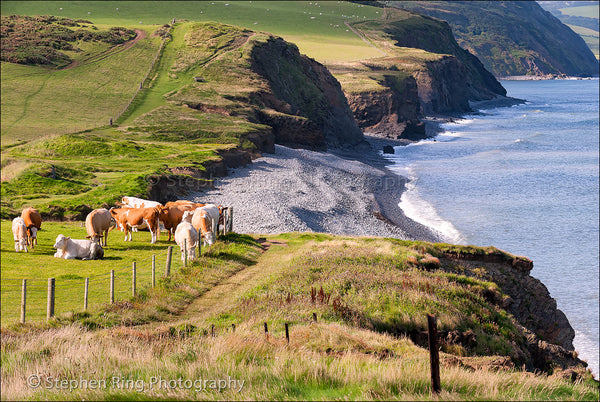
{"x": 390, "y": 113}
{"x": 512, "y": 37}
{"x": 547, "y": 333}
{"x": 303, "y": 89}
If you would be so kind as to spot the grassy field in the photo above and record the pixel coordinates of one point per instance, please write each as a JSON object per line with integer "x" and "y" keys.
{"x": 311, "y": 25}
{"x": 591, "y": 37}
{"x": 38, "y": 101}
{"x": 340, "y": 357}
{"x": 39, "y": 264}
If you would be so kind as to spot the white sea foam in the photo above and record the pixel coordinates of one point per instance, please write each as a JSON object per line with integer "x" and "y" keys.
{"x": 588, "y": 351}
{"x": 423, "y": 212}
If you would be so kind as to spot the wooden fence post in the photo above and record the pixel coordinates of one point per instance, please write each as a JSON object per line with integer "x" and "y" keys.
{"x": 212, "y": 330}
{"x": 266, "y": 332}
{"x": 230, "y": 221}
{"x": 50, "y": 301}
{"x": 315, "y": 317}
{"x": 168, "y": 264}
{"x": 434, "y": 357}
{"x": 153, "y": 270}
{"x": 112, "y": 286}
{"x": 85, "y": 294}
{"x": 233, "y": 327}
{"x": 23, "y": 300}
{"x": 133, "y": 279}
{"x": 185, "y": 252}
{"x": 287, "y": 333}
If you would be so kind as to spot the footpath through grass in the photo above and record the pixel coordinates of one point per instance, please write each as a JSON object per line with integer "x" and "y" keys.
{"x": 336, "y": 358}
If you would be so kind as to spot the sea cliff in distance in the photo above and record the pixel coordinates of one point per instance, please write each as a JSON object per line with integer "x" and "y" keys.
{"x": 513, "y": 38}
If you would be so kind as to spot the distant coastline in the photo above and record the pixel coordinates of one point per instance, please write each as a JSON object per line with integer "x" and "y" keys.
{"x": 542, "y": 77}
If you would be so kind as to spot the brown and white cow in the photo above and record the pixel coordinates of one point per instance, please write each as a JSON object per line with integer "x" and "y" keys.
{"x": 205, "y": 221}
{"x": 129, "y": 218}
{"x": 33, "y": 222}
{"x": 135, "y": 202}
{"x": 171, "y": 215}
{"x": 97, "y": 225}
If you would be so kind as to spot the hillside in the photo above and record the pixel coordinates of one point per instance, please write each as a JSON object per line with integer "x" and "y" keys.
{"x": 581, "y": 16}
{"x": 370, "y": 297}
{"x": 212, "y": 90}
{"x": 424, "y": 72}
{"x": 513, "y": 38}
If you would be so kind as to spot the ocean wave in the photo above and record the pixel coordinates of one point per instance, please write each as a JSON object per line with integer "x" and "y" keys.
{"x": 423, "y": 212}
{"x": 587, "y": 349}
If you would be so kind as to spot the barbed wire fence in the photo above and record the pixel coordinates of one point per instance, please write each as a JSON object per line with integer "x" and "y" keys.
{"x": 43, "y": 298}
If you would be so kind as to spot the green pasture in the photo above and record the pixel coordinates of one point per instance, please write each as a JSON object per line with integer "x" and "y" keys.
{"x": 37, "y": 101}
{"x": 316, "y": 27}
{"x": 591, "y": 37}
{"x": 40, "y": 264}
{"x": 93, "y": 168}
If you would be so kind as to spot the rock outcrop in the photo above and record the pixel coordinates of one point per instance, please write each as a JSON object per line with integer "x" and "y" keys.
{"x": 303, "y": 89}
{"x": 390, "y": 113}
{"x": 547, "y": 333}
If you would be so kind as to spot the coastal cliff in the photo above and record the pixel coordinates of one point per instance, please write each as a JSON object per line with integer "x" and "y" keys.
{"x": 424, "y": 72}
{"x": 513, "y": 37}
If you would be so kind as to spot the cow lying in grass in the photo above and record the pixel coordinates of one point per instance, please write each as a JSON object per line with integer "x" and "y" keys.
{"x": 20, "y": 234}
{"x": 69, "y": 249}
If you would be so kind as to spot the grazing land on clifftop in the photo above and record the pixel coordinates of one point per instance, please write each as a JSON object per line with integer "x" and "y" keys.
{"x": 370, "y": 297}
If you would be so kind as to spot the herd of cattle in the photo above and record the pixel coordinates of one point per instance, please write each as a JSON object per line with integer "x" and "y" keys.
{"x": 186, "y": 221}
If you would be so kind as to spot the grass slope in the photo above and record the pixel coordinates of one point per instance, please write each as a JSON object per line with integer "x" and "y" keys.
{"x": 166, "y": 332}
{"x": 316, "y": 27}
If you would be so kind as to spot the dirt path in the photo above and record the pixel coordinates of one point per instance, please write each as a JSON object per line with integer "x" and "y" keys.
{"x": 223, "y": 295}
{"x": 113, "y": 50}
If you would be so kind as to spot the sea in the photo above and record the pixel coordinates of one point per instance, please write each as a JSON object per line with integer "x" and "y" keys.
{"x": 525, "y": 179}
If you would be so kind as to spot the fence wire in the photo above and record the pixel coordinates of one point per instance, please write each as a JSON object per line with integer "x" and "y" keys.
{"x": 69, "y": 293}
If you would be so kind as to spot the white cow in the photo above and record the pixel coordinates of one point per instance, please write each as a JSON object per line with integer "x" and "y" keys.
{"x": 20, "y": 234}
{"x": 69, "y": 249}
{"x": 134, "y": 202}
{"x": 186, "y": 233}
{"x": 205, "y": 221}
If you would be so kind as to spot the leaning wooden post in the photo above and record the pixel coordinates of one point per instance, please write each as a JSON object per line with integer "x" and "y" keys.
{"x": 23, "y": 300}
{"x": 153, "y": 270}
{"x": 287, "y": 333}
{"x": 85, "y": 294}
{"x": 315, "y": 317}
{"x": 133, "y": 279}
{"x": 112, "y": 286}
{"x": 50, "y": 302}
{"x": 185, "y": 252}
{"x": 168, "y": 264}
{"x": 434, "y": 357}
